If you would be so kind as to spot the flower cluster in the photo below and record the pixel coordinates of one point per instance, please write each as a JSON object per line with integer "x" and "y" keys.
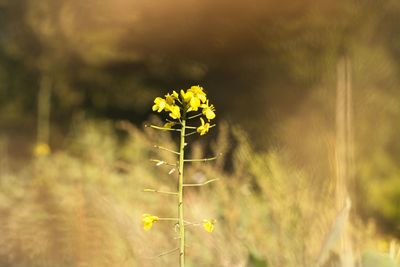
{"x": 179, "y": 105}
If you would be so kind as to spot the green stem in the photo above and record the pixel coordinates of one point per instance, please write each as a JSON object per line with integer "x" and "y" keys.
{"x": 162, "y": 128}
{"x": 159, "y": 191}
{"x": 166, "y": 149}
{"x": 201, "y": 160}
{"x": 201, "y": 184}
{"x": 167, "y": 219}
{"x": 180, "y": 195}
{"x": 195, "y": 116}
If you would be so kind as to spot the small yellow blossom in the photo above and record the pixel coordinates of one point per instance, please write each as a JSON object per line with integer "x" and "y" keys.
{"x": 175, "y": 94}
{"x": 170, "y": 98}
{"x": 148, "y": 220}
{"x": 175, "y": 111}
{"x": 198, "y": 93}
{"x": 208, "y": 111}
{"x": 169, "y": 125}
{"x": 203, "y": 128}
{"x": 42, "y": 149}
{"x": 186, "y": 96}
{"x": 193, "y": 98}
{"x": 194, "y": 104}
{"x": 209, "y": 225}
{"x": 159, "y": 104}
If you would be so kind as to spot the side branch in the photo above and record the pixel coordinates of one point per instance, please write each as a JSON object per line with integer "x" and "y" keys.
{"x": 192, "y": 224}
{"x": 164, "y": 253}
{"x": 168, "y": 219}
{"x": 194, "y": 116}
{"x": 201, "y": 184}
{"x": 201, "y": 160}
{"x": 189, "y": 134}
{"x": 191, "y": 127}
{"x": 166, "y": 149}
{"x": 162, "y": 128}
{"x": 194, "y": 132}
{"x": 160, "y": 191}
{"x": 162, "y": 162}
{"x": 195, "y": 128}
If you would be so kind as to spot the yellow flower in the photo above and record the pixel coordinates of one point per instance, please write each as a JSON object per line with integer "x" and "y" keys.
{"x": 186, "y": 96}
{"x": 198, "y": 92}
{"x": 175, "y": 94}
{"x": 169, "y": 125}
{"x": 194, "y": 104}
{"x": 175, "y": 111}
{"x": 42, "y": 149}
{"x": 203, "y": 128}
{"x": 159, "y": 104}
{"x": 194, "y": 97}
{"x": 209, "y": 225}
{"x": 148, "y": 220}
{"x": 208, "y": 111}
{"x": 170, "y": 98}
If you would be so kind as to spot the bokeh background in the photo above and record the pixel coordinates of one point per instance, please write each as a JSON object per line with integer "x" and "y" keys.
{"x": 308, "y": 106}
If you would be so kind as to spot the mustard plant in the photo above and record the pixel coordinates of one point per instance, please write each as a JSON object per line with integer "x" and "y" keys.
{"x": 188, "y": 112}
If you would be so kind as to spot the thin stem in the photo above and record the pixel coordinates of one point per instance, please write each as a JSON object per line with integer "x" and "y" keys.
{"x": 162, "y": 162}
{"x": 201, "y": 184}
{"x": 189, "y": 134}
{"x": 159, "y": 191}
{"x": 166, "y": 149}
{"x": 191, "y": 127}
{"x": 178, "y": 123}
{"x": 201, "y": 160}
{"x": 168, "y": 219}
{"x": 164, "y": 253}
{"x": 195, "y": 128}
{"x": 192, "y": 224}
{"x": 162, "y": 128}
{"x": 194, "y": 116}
{"x": 180, "y": 195}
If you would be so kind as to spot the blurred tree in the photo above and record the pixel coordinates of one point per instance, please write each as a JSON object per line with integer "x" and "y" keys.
{"x": 110, "y": 55}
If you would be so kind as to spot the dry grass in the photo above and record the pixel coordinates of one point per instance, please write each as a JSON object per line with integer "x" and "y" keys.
{"x": 82, "y": 206}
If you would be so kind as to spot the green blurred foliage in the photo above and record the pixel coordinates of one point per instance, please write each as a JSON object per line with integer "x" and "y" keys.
{"x": 371, "y": 259}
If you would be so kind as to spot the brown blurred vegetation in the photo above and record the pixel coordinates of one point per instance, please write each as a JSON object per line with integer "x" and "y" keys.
{"x": 270, "y": 69}
{"x": 82, "y": 207}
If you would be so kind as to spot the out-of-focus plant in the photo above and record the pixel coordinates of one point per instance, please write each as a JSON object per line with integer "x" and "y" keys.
{"x": 182, "y": 108}
{"x": 75, "y": 207}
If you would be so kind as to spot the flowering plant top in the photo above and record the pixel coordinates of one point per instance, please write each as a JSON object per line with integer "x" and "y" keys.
{"x": 180, "y": 105}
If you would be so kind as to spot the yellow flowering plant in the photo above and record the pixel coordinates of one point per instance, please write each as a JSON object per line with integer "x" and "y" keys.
{"x": 182, "y": 109}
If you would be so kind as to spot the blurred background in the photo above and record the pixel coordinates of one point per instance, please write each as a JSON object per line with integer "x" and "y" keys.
{"x": 308, "y": 104}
